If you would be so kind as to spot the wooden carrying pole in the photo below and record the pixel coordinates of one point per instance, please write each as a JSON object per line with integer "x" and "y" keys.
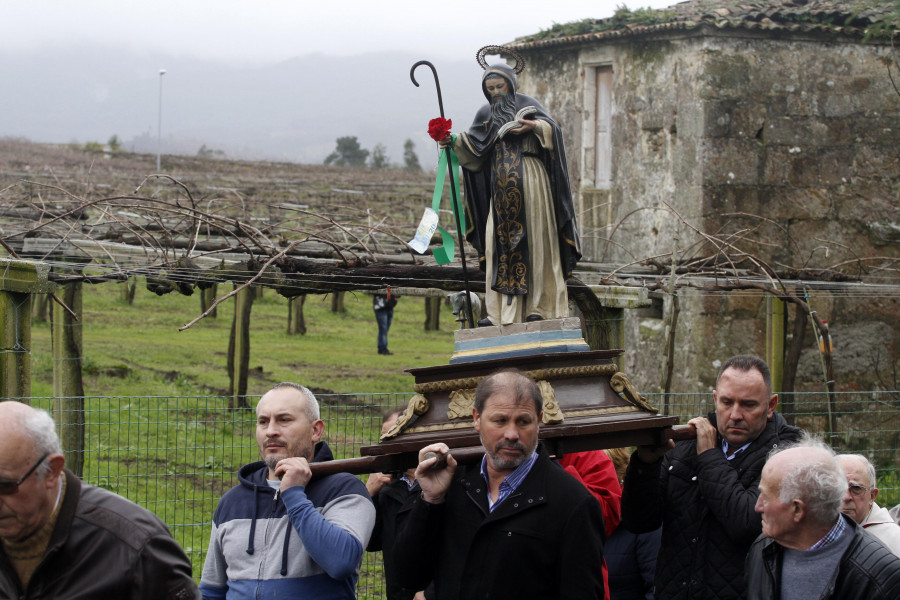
{"x": 399, "y": 462}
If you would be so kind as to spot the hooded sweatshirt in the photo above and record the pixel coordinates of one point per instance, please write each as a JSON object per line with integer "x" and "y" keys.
{"x": 306, "y": 542}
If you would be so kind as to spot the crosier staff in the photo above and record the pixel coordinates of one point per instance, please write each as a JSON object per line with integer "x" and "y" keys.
{"x": 453, "y": 200}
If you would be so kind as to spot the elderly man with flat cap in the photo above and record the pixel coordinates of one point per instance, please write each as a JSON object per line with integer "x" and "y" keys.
{"x": 62, "y": 538}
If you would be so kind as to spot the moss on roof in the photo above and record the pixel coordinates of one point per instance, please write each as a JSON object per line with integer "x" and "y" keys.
{"x": 857, "y": 18}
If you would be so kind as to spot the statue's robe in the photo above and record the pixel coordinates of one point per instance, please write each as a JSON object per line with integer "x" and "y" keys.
{"x": 520, "y": 215}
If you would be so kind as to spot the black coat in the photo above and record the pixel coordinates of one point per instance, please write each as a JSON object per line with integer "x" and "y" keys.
{"x": 392, "y": 503}
{"x": 543, "y": 542}
{"x": 706, "y": 505}
{"x": 867, "y": 571}
{"x": 631, "y": 561}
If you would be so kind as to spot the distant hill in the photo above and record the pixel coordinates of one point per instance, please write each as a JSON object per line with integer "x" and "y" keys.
{"x": 288, "y": 111}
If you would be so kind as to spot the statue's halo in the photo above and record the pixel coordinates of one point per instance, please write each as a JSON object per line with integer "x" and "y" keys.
{"x": 520, "y": 61}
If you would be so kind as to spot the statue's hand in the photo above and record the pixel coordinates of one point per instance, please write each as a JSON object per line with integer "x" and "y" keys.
{"x": 445, "y": 142}
{"x": 526, "y": 126}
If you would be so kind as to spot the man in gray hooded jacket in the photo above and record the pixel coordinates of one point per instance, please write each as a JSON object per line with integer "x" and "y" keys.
{"x": 279, "y": 533}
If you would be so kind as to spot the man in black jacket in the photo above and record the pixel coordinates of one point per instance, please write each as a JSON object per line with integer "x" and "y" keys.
{"x": 393, "y": 496}
{"x": 515, "y": 525}
{"x": 65, "y": 539}
{"x": 808, "y": 549}
{"x": 703, "y": 491}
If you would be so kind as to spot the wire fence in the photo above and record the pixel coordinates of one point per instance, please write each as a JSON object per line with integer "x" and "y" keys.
{"x": 176, "y": 456}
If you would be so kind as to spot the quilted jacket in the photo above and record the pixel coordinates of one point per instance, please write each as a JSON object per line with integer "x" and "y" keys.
{"x": 705, "y": 504}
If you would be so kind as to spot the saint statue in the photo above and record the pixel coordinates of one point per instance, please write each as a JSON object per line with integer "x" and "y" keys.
{"x": 521, "y": 219}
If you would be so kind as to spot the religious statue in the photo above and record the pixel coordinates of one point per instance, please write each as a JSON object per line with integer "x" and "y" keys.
{"x": 521, "y": 219}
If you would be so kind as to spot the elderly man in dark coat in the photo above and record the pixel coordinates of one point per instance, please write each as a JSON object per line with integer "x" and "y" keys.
{"x": 61, "y": 538}
{"x": 808, "y": 549}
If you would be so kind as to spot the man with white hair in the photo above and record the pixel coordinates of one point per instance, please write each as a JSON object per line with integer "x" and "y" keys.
{"x": 859, "y": 500}
{"x": 808, "y": 549}
{"x": 279, "y": 533}
{"x": 62, "y": 538}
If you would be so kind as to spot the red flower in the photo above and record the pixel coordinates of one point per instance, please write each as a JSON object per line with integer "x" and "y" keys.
{"x": 439, "y": 128}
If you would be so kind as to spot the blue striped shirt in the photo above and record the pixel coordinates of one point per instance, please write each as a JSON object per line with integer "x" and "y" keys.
{"x": 736, "y": 452}
{"x": 833, "y": 534}
{"x": 410, "y": 483}
{"x": 510, "y": 482}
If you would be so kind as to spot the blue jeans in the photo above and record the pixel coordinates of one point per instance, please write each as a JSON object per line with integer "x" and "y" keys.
{"x": 384, "y": 318}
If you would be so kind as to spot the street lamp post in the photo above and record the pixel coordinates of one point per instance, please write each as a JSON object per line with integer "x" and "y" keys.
{"x": 159, "y": 124}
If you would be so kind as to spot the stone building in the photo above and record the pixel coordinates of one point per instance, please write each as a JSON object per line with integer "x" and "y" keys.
{"x": 772, "y": 125}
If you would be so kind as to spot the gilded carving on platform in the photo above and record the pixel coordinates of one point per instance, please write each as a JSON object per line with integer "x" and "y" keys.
{"x": 620, "y": 385}
{"x": 461, "y": 404}
{"x": 552, "y": 413}
{"x": 418, "y": 405}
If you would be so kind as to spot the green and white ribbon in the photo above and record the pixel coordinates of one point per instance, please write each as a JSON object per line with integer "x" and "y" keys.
{"x": 444, "y": 253}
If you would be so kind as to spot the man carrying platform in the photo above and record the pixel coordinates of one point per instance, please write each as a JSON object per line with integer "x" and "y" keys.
{"x": 514, "y": 525}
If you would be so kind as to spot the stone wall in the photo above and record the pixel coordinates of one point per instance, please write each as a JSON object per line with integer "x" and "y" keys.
{"x": 788, "y": 149}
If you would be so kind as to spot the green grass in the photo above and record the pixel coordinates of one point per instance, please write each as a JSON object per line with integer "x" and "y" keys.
{"x": 138, "y": 350}
{"x": 156, "y": 437}
{"x": 888, "y": 489}
{"x": 176, "y": 456}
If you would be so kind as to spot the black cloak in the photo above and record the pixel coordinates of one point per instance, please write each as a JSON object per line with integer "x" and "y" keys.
{"x": 481, "y": 141}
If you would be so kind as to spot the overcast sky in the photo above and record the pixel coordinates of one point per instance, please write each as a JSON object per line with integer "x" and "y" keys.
{"x": 258, "y": 31}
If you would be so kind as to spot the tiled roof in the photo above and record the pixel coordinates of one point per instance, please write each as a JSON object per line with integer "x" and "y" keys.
{"x": 802, "y": 16}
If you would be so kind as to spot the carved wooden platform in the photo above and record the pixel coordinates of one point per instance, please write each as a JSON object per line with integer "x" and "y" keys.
{"x": 588, "y": 405}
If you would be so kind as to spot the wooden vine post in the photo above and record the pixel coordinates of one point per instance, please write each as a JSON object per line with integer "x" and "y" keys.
{"x": 296, "y": 322}
{"x": 19, "y": 281}
{"x": 432, "y": 313}
{"x": 337, "y": 302}
{"x": 68, "y": 386}
{"x": 41, "y": 308}
{"x": 671, "y": 324}
{"x": 207, "y": 297}
{"x": 239, "y": 346}
{"x": 775, "y": 328}
{"x": 129, "y": 287}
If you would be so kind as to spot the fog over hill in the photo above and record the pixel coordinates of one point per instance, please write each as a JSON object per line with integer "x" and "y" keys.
{"x": 292, "y": 110}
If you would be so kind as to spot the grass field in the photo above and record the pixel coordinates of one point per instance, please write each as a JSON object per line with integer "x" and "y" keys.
{"x": 158, "y": 435}
{"x": 137, "y": 350}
